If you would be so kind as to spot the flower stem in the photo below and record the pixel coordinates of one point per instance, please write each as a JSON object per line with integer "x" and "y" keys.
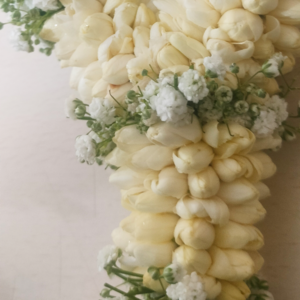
{"x": 127, "y": 272}
{"x": 120, "y": 291}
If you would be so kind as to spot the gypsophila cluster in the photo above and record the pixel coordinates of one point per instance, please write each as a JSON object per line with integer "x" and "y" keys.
{"x": 174, "y": 273}
{"x": 102, "y": 110}
{"x": 274, "y": 65}
{"x": 190, "y": 288}
{"x": 86, "y": 149}
{"x": 215, "y": 67}
{"x": 109, "y": 254}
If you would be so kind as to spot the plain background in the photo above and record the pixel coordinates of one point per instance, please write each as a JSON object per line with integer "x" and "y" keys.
{"x": 55, "y": 213}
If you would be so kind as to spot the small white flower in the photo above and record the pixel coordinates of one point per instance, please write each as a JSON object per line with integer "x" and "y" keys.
{"x": 70, "y": 107}
{"x": 265, "y": 124}
{"x": 151, "y": 89}
{"x": 42, "y": 4}
{"x": 102, "y": 110}
{"x": 17, "y": 40}
{"x": 214, "y": 64}
{"x": 171, "y": 106}
{"x": 279, "y": 105}
{"x": 273, "y": 66}
{"x": 107, "y": 255}
{"x": 193, "y": 86}
{"x": 190, "y": 288}
{"x": 85, "y": 149}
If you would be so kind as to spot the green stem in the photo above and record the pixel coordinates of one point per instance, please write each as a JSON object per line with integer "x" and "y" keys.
{"x": 127, "y": 272}
{"x": 161, "y": 284}
{"x": 253, "y": 77}
{"x": 117, "y": 101}
{"x": 120, "y": 291}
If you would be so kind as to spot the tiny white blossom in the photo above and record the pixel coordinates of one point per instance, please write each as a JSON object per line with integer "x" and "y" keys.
{"x": 273, "y": 66}
{"x": 107, "y": 255}
{"x": 17, "y": 40}
{"x": 171, "y": 106}
{"x": 193, "y": 86}
{"x": 279, "y": 105}
{"x": 102, "y": 110}
{"x": 42, "y": 4}
{"x": 190, "y": 288}
{"x": 265, "y": 124}
{"x": 151, "y": 89}
{"x": 215, "y": 65}
{"x": 85, "y": 149}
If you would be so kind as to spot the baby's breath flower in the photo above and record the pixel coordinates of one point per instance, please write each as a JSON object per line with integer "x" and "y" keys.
{"x": 17, "y": 40}
{"x": 42, "y": 4}
{"x": 215, "y": 67}
{"x": 102, "y": 110}
{"x": 193, "y": 86}
{"x": 174, "y": 273}
{"x": 190, "y": 288}
{"x": 86, "y": 149}
{"x": 273, "y": 66}
{"x": 265, "y": 124}
{"x": 108, "y": 255}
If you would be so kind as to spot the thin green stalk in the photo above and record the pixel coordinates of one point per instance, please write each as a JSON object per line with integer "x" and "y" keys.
{"x": 117, "y": 101}
{"x": 120, "y": 291}
{"x": 127, "y": 272}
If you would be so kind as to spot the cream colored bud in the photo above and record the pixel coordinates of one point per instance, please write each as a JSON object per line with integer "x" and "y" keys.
{"x": 190, "y": 48}
{"x": 257, "y": 259}
{"x": 168, "y": 22}
{"x": 121, "y": 238}
{"x": 111, "y": 5}
{"x": 125, "y": 15}
{"x": 76, "y": 75}
{"x": 87, "y": 5}
{"x": 167, "y": 135}
{"x": 234, "y": 291}
{"x": 114, "y": 71}
{"x": 129, "y": 139}
{"x": 237, "y": 236}
{"x": 212, "y": 287}
{"x": 231, "y": 52}
{"x": 201, "y": 13}
{"x": 264, "y": 49}
{"x": 118, "y": 92}
{"x": 204, "y": 184}
{"x": 179, "y": 70}
{"x": 214, "y": 210}
{"x": 169, "y": 183}
{"x": 153, "y": 157}
{"x": 84, "y": 55}
{"x": 195, "y": 233}
{"x": 141, "y": 37}
{"x": 126, "y": 178}
{"x": 237, "y": 192}
{"x": 158, "y": 29}
{"x": 153, "y": 228}
{"x": 149, "y": 202}
{"x": 144, "y": 17}
{"x": 234, "y": 139}
{"x": 230, "y": 264}
{"x": 50, "y": 31}
{"x": 223, "y": 6}
{"x": 118, "y": 158}
{"x": 142, "y": 62}
{"x": 192, "y": 260}
{"x": 260, "y": 7}
{"x": 249, "y": 213}
{"x": 100, "y": 89}
{"x": 154, "y": 285}
{"x": 242, "y": 25}
{"x": 228, "y": 169}
{"x": 263, "y": 189}
{"x": 169, "y": 56}
{"x": 289, "y": 40}
{"x": 268, "y": 167}
{"x": 89, "y": 30}
{"x": 193, "y": 158}
{"x": 149, "y": 254}
{"x": 189, "y": 28}
{"x": 287, "y": 12}
{"x": 91, "y": 75}
{"x": 289, "y": 63}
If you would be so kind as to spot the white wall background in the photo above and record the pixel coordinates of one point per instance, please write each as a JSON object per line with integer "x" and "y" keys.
{"x": 55, "y": 213}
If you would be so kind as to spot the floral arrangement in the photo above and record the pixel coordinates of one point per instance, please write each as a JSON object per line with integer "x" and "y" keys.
{"x": 180, "y": 98}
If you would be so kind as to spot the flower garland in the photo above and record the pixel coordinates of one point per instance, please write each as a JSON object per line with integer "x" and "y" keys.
{"x": 180, "y": 98}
